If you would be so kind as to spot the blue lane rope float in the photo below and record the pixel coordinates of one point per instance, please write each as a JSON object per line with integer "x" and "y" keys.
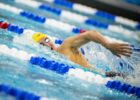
{"x": 47, "y": 8}
{"x": 50, "y": 64}
{"x": 58, "y": 41}
{"x": 14, "y": 28}
{"x": 123, "y": 87}
{"x": 64, "y": 3}
{"x": 33, "y": 17}
{"x": 18, "y": 93}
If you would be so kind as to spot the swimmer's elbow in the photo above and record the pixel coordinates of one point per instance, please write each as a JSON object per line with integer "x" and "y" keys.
{"x": 91, "y": 34}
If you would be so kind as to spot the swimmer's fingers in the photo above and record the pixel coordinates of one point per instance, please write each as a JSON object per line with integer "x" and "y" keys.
{"x": 120, "y": 49}
{"x": 124, "y": 44}
{"x": 119, "y": 54}
{"x": 125, "y": 50}
{"x": 126, "y": 54}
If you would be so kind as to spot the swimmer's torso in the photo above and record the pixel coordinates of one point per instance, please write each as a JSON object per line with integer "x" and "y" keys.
{"x": 73, "y": 55}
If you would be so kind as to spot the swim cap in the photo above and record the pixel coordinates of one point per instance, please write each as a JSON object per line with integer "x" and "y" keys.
{"x": 37, "y": 36}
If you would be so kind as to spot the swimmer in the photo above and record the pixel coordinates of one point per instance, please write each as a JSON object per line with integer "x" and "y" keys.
{"x": 69, "y": 47}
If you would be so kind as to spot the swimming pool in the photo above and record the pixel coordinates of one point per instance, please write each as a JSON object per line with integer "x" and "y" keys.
{"x": 18, "y": 71}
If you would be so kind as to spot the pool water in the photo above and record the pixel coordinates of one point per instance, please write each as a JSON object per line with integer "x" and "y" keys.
{"x": 19, "y": 73}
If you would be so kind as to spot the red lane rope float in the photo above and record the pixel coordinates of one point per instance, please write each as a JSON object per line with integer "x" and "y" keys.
{"x": 4, "y": 25}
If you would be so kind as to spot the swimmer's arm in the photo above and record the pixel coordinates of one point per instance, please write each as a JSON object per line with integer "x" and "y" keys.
{"x": 79, "y": 40}
{"x": 115, "y": 47}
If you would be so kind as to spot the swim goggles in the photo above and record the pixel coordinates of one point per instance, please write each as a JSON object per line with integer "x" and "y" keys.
{"x": 47, "y": 40}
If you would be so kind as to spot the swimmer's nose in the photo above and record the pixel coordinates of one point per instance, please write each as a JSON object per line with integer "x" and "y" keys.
{"x": 48, "y": 44}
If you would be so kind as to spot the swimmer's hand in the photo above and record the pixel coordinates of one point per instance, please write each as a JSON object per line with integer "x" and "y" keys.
{"x": 107, "y": 74}
{"x": 114, "y": 74}
{"x": 119, "y": 49}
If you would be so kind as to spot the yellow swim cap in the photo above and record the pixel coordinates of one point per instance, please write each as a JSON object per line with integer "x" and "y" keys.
{"x": 37, "y": 36}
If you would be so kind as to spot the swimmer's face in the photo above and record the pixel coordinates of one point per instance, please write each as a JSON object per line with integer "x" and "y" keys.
{"x": 47, "y": 42}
